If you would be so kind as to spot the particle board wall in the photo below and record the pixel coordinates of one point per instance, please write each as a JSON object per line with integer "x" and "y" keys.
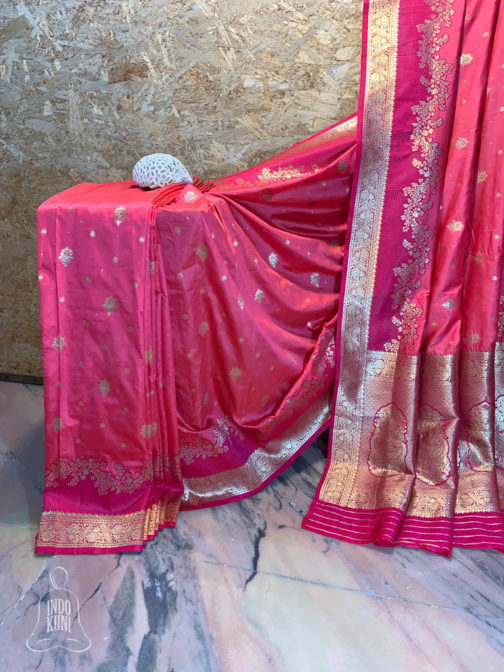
{"x": 89, "y": 86}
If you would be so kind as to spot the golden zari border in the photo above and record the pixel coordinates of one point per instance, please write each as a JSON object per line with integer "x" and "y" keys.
{"x": 262, "y": 465}
{"x": 432, "y": 436}
{"x": 362, "y": 251}
{"x": 89, "y": 530}
{"x": 306, "y": 408}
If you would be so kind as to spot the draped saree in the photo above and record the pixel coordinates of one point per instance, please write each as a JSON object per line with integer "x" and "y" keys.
{"x": 196, "y": 338}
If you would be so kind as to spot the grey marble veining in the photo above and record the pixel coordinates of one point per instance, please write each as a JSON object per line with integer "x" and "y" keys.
{"x": 240, "y": 587}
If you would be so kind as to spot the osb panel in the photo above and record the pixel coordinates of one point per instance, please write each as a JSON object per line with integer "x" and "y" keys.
{"x": 89, "y": 86}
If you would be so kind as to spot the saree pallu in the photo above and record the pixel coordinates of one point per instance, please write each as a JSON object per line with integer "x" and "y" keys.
{"x": 417, "y": 445}
{"x": 195, "y": 340}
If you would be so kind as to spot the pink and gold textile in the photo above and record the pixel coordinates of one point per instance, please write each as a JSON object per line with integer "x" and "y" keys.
{"x": 188, "y": 339}
{"x": 416, "y": 455}
{"x": 197, "y": 338}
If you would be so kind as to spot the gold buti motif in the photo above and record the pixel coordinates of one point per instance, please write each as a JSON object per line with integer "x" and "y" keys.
{"x": 110, "y": 305}
{"x": 285, "y": 173}
{"x": 427, "y": 154}
{"x": 119, "y": 215}
{"x": 66, "y": 256}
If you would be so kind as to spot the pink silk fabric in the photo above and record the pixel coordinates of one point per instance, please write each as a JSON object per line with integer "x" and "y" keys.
{"x": 188, "y": 348}
{"x": 196, "y": 339}
{"x": 417, "y": 447}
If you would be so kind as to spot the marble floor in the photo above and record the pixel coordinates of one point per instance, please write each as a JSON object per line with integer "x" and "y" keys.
{"x": 239, "y": 588}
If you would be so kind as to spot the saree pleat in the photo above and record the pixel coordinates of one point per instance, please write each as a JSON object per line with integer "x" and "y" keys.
{"x": 196, "y": 330}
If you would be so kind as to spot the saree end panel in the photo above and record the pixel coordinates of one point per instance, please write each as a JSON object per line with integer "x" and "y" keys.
{"x": 415, "y": 453}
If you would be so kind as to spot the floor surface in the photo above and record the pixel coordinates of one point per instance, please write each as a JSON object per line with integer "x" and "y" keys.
{"x": 241, "y": 587}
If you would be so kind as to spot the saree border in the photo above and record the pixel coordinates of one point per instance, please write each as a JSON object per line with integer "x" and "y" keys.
{"x": 99, "y": 533}
{"x": 263, "y": 465}
{"x": 376, "y": 108}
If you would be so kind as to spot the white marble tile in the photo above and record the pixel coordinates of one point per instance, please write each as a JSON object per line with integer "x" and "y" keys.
{"x": 21, "y": 413}
{"x": 265, "y": 532}
{"x": 279, "y": 624}
{"x": 242, "y": 586}
{"x": 19, "y": 567}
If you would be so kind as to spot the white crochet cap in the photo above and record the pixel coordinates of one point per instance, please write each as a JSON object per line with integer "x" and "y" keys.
{"x": 158, "y": 170}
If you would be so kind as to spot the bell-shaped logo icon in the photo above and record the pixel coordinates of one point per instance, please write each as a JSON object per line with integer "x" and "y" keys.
{"x": 58, "y": 621}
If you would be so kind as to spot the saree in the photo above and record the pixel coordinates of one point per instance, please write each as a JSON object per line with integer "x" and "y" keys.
{"x": 197, "y": 338}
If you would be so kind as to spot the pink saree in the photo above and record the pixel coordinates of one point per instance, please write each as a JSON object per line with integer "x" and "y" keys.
{"x": 197, "y": 338}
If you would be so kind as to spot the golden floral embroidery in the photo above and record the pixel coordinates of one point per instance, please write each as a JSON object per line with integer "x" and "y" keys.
{"x": 388, "y": 446}
{"x": 196, "y": 447}
{"x": 119, "y": 215}
{"x": 203, "y": 328}
{"x": 478, "y": 421}
{"x": 59, "y": 343}
{"x": 500, "y": 323}
{"x": 460, "y": 143}
{"x": 455, "y": 225}
{"x": 465, "y": 59}
{"x": 286, "y": 173}
{"x": 235, "y": 373}
{"x": 482, "y": 176}
{"x": 451, "y": 304}
{"x": 474, "y": 338}
{"x": 110, "y": 305}
{"x": 149, "y": 430}
{"x": 478, "y": 258}
{"x": 202, "y": 252}
{"x": 57, "y": 424}
{"x": 259, "y": 295}
{"x": 499, "y": 431}
{"x": 106, "y": 478}
{"x": 273, "y": 259}
{"x": 315, "y": 279}
{"x": 66, "y": 256}
{"x": 149, "y": 357}
{"x": 104, "y": 387}
{"x": 240, "y": 301}
{"x": 429, "y": 153}
{"x": 189, "y": 197}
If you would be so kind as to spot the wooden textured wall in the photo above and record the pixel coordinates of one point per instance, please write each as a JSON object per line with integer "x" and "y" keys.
{"x": 89, "y": 86}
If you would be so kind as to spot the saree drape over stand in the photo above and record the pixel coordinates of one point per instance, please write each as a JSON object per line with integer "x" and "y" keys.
{"x": 197, "y": 338}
